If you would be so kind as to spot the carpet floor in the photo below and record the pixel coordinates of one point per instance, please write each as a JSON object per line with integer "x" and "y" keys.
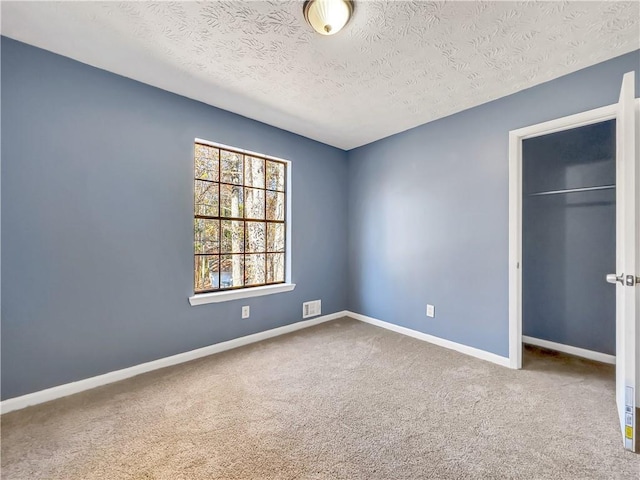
{"x": 342, "y": 400}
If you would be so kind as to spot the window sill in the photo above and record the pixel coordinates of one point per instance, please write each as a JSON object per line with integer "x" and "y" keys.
{"x": 217, "y": 297}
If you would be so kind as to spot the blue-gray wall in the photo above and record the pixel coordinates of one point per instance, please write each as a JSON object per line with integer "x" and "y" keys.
{"x": 97, "y": 203}
{"x": 569, "y": 239}
{"x": 428, "y": 210}
{"x": 97, "y": 222}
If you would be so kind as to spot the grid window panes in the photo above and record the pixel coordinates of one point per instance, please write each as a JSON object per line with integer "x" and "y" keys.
{"x": 239, "y": 219}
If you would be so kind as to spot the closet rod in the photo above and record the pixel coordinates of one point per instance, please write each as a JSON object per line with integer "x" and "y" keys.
{"x": 572, "y": 190}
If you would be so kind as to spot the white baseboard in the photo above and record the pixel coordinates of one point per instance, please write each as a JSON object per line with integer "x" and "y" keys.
{"x": 59, "y": 391}
{"x": 458, "y": 347}
{"x": 578, "y": 352}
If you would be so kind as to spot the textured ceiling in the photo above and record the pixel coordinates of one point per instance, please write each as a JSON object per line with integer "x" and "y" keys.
{"x": 396, "y": 65}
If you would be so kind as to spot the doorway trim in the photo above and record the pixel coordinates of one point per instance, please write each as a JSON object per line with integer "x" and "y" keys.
{"x": 515, "y": 211}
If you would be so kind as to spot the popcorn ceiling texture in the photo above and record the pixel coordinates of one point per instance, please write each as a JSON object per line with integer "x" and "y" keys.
{"x": 395, "y": 66}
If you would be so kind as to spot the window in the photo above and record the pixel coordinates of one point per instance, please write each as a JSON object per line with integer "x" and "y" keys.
{"x": 239, "y": 219}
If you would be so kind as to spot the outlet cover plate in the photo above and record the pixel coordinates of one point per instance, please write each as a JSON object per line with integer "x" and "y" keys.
{"x": 246, "y": 311}
{"x": 431, "y": 311}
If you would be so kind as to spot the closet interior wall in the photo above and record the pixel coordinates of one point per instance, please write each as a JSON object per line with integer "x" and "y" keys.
{"x": 569, "y": 210}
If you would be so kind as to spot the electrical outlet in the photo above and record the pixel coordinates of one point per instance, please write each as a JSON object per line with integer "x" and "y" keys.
{"x": 246, "y": 311}
{"x": 431, "y": 311}
{"x": 311, "y": 309}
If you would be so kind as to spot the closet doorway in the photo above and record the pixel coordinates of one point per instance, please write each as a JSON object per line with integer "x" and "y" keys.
{"x": 568, "y": 197}
{"x": 569, "y": 241}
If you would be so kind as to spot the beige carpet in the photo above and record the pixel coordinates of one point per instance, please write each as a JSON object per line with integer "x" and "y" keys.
{"x": 343, "y": 400}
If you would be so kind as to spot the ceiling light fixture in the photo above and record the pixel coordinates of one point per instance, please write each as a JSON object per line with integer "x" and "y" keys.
{"x": 327, "y": 17}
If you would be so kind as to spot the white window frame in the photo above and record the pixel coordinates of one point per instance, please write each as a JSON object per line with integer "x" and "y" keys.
{"x": 248, "y": 292}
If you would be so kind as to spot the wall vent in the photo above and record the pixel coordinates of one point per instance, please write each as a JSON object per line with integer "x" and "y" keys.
{"x": 311, "y": 309}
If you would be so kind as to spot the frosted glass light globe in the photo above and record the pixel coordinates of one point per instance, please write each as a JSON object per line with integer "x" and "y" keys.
{"x": 327, "y": 17}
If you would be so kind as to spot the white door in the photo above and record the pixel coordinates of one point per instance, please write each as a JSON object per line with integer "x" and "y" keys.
{"x": 627, "y": 270}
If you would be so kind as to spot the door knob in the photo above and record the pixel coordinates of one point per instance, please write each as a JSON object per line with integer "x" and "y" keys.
{"x": 613, "y": 278}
